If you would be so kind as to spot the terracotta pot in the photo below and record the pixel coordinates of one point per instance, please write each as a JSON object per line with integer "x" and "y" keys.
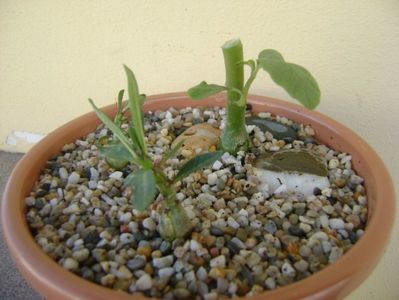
{"x": 333, "y": 282}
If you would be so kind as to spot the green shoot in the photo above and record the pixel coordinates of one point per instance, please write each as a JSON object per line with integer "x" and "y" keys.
{"x": 296, "y": 81}
{"x": 149, "y": 178}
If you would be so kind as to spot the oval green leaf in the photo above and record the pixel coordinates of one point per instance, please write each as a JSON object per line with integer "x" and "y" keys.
{"x": 144, "y": 185}
{"x": 204, "y": 90}
{"x": 296, "y": 80}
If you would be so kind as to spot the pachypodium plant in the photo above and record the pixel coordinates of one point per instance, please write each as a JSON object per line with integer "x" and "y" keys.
{"x": 149, "y": 178}
{"x": 296, "y": 80}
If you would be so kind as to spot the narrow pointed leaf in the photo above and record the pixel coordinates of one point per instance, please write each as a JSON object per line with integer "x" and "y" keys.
{"x": 115, "y": 130}
{"x": 136, "y": 108}
{"x": 204, "y": 90}
{"x": 120, "y": 100}
{"x": 296, "y": 80}
{"x": 197, "y": 163}
{"x": 144, "y": 186}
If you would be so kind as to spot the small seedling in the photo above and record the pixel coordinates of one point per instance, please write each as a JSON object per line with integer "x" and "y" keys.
{"x": 149, "y": 178}
{"x": 296, "y": 80}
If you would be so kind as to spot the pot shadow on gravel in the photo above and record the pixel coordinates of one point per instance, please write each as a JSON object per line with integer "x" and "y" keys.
{"x": 12, "y": 285}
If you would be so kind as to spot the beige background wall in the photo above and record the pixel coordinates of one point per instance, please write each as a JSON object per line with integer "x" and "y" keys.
{"x": 56, "y": 54}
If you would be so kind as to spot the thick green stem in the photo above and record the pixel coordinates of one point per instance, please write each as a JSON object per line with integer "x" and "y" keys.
{"x": 174, "y": 222}
{"x": 233, "y": 62}
{"x": 234, "y": 136}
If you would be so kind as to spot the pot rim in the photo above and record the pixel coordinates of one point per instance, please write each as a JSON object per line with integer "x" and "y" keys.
{"x": 41, "y": 270}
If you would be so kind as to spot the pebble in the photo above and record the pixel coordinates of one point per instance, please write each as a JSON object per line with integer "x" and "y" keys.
{"x": 70, "y": 264}
{"x": 271, "y": 227}
{"x": 73, "y": 178}
{"x": 219, "y": 261}
{"x": 136, "y": 263}
{"x": 212, "y": 179}
{"x": 163, "y": 262}
{"x": 123, "y": 273}
{"x": 232, "y": 223}
{"x": 144, "y": 283}
{"x": 81, "y": 254}
{"x": 165, "y": 273}
{"x": 337, "y": 223}
{"x": 270, "y": 283}
{"x": 335, "y": 254}
{"x": 288, "y": 270}
{"x": 301, "y": 266}
{"x": 149, "y": 224}
{"x": 126, "y": 238}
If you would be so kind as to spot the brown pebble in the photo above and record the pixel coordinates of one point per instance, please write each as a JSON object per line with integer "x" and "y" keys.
{"x": 243, "y": 289}
{"x": 156, "y": 254}
{"x": 216, "y": 273}
{"x": 340, "y": 182}
{"x": 214, "y": 252}
{"x": 198, "y": 237}
{"x": 197, "y": 261}
{"x": 293, "y": 248}
{"x": 149, "y": 269}
{"x": 354, "y": 219}
{"x": 144, "y": 250}
{"x": 210, "y": 240}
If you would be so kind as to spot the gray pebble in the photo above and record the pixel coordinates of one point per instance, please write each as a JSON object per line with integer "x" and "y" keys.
{"x": 136, "y": 263}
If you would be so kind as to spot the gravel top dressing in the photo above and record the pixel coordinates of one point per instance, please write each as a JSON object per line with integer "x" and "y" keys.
{"x": 257, "y": 225}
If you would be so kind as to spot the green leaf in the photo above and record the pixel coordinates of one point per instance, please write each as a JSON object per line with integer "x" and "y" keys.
{"x": 144, "y": 185}
{"x": 136, "y": 108}
{"x": 120, "y": 100}
{"x": 198, "y": 162}
{"x": 116, "y": 154}
{"x": 296, "y": 80}
{"x": 115, "y": 130}
{"x": 204, "y": 90}
{"x": 173, "y": 152}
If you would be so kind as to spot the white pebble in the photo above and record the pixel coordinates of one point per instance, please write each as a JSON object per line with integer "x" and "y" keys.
{"x": 232, "y": 223}
{"x": 71, "y": 209}
{"x": 63, "y": 173}
{"x": 126, "y": 238}
{"x": 116, "y": 175}
{"x": 212, "y": 179}
{"x": 144, "y": 282}
{"x": 219, "y": 261}
{"x": 288, "y": 270}
{"x": 194, "y": 245}
{"x": 217, "y": 165}
{"x": 165, "y": 273}
{"x": 74, "y": 178}
{"x": 149, "y": 224}
{"x": 337, "y": 224}
{"x": 70, "y": 264}
{"x": 163, "y": 262}
{"x": 333, "y": 163}
{"x": 93, "y": 174}
{"x": 126, "y": 217}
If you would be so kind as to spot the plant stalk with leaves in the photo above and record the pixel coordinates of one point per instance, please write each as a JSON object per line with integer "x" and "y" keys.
{"x": 296, "y": 80}
{"x": 149, "y": 178}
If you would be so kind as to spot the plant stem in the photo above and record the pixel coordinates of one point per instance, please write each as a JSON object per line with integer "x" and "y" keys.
{"x": 234, "y": 136}
{"x": 174, "y": 222}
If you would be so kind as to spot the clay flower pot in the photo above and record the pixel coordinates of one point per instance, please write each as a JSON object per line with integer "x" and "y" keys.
{"x": 333, "y": 282}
